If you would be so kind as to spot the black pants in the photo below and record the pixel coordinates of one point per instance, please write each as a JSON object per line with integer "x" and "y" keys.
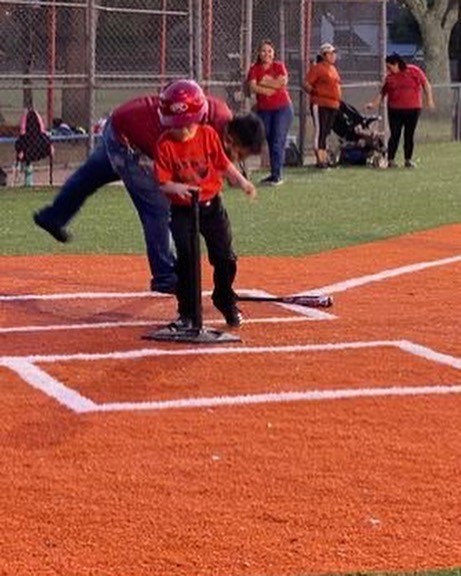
{"x": 324, "y": 119}
{"x": 406, "y": 119}
{"x": 216, "y": 230}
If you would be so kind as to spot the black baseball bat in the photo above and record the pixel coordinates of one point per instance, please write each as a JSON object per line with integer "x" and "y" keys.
{"x": 309, "y": 301}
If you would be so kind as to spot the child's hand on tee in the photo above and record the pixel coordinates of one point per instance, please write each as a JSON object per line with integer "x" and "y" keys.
{"x": 179, "y": 190}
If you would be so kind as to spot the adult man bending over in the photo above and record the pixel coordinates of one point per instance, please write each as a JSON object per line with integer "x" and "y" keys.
{"x": 128, "y": 141}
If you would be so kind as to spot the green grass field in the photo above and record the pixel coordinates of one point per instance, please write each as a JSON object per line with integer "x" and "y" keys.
{"x": 313, "y": 212}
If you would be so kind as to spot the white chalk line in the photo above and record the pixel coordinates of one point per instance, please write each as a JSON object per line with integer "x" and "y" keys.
{"x": 308, "y": 312}
{"x": 201, "y": 351}
{"x": 82, "y": 296}
{"x": 134, "y": 324}
{"x": 383, "y": 275}
{"x": 279, "y": 398}
{"x": 26, "y": 368}
{"x": 41, "y": 380}
{"x": 328, "y": 289}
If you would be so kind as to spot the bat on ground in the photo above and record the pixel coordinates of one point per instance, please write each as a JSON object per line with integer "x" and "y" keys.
{"x": 309, "y": 301}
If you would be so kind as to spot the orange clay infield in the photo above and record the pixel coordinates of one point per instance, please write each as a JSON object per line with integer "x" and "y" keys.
{"x": 326, "y": 441}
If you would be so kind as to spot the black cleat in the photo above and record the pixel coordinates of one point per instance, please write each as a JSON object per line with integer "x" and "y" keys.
{"x": 59, "y": 233}
{"x": 181, "y": 324}
{"x": 232, "y": 315}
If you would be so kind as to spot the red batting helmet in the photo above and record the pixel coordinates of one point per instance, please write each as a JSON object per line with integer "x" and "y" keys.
{"x": 182, "y": 102}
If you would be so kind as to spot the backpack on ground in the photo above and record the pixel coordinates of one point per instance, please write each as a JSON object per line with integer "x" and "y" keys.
{"x": 33, "y": 144}
{"x": 293, "y": 155}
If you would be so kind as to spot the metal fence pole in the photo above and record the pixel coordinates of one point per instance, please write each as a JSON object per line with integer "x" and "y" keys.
{"x": 51, "y": 10}
{"x": 91, "y": 62}
{"x": 208, "y": 41}
{"x": 282, "y": 32}
{"x": 197, "y": 39}
{"x": 305, "y": 16}
{"x": 383, "y": 52}
{"x": 456, "y": 115}
{"x": 248, "y": 42}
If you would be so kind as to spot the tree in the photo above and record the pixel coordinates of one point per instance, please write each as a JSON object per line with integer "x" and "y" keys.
{"x": 403, "y": 28}
{"x": 436, "y": 20}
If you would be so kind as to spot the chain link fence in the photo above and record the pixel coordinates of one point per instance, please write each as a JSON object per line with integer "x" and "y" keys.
{"x": 74, "y": 61}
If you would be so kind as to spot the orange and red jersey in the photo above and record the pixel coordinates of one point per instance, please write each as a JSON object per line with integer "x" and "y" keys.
{"x": 137, "y": 122}
{"x": 404, "y": 88}
{"x": 200, "y": 161}
{"x": 281, "y": 97}
{"x": 325, "y": 81}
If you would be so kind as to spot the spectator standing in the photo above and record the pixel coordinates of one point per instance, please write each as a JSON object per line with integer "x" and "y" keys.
{"x": 268, "y": 79}
{"x": 403, "y": 87}
{"x": 323, "y": 84}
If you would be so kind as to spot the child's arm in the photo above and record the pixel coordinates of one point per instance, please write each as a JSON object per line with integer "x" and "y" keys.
{"x": 237, "y": 179}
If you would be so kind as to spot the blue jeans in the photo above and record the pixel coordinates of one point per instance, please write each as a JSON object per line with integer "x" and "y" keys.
{"x": 86, "y": 180}
{"x": 277, "y": 125}
{"x": 111, "y": 161}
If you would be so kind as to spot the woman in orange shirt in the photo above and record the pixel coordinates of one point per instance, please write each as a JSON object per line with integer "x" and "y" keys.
{"x": 323, "y": 84}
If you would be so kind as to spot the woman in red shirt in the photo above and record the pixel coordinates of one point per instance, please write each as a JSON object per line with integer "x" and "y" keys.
{"x": 403, "y": 86}
{"x": 268, "y": 79}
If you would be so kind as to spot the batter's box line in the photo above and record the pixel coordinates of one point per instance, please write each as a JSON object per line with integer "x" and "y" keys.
{"x": 329, "y": 289}
{"x": 302, "y": 313}
{"x": 153, "y": 322}
{"x": 39, "y": 379}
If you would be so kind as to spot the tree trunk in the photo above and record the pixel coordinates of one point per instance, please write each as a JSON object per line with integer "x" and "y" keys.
{"x": 436, "y": 51}
{"x": 435, "y": 41}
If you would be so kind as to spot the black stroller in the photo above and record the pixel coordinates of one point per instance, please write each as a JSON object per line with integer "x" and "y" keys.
{"x": 359, "y": 144}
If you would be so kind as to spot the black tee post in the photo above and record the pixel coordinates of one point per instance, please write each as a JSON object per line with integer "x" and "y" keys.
{"x": 196, "y": 279}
